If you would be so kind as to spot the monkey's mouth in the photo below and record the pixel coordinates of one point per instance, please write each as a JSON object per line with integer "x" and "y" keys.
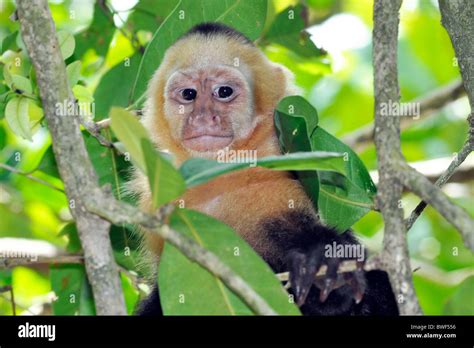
{"x": 207, "y": 142}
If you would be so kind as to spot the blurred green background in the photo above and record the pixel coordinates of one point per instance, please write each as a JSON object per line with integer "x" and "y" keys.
{"x": 337, "y": 81}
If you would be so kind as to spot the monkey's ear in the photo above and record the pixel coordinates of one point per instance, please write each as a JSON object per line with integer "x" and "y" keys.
{"x": 271, "y": 84}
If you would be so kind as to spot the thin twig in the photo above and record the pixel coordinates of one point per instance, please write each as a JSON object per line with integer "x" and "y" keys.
{"x": 29, "y": 176}
{"x": 433, "y": 195}
{"x": 60, "y": 259}
{"x": 12, "y": 296}
{"x": 457, "y": 161}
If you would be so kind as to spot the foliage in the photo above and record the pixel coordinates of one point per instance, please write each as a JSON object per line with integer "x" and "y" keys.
{"x": 111, "y": 53}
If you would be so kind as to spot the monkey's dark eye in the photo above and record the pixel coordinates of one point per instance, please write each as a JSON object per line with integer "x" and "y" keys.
{"x": 224, "y": 92}
{"x": 189, "y": 94}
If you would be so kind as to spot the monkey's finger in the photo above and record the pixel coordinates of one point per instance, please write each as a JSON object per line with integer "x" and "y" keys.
{"x": 302, "y": 271}
{"x": 358, "y": 284}
{"x": 330, "y": 278}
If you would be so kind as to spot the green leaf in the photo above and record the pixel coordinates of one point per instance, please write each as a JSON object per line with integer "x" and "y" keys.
{"x": 300, "y": 111}
{"x": 109, "y": 166}
{"x": 115, "y": 86}
{"x": 149, "y": 14}
{"x": 9, "y": 42}
{"x": 48, "y": 163}
{"x": 295, "y": 121}
{"x": 198, "y": 170}
{"x": 194, "y": 12}
{"x": 188, "y": 289}
{"x": 82, "y": 94}
{"x": 126, "y": 247}
{"x": 341, "y": 203}
{"x": 16, "y": 114}
{"x": 460, "y": 303}
{"x": 356, "y": 171}
{"x": 74, "y": 243}
{"x": 341, "y": 200}
{"x": 69, "y": 282}
{"x": 341, "y": 208}
{"x": 166, "y": 183}
{"x": 99, "y": 34}
{"x": 288, "y": 30}
{"x": 73, "y": 72}
{"x": 21, "y": 83}
{"x": 66, "y": 44}
{"x": 130, "y": 132}
{"x": 7, "y": 75}
{"x": 130, "y": 293}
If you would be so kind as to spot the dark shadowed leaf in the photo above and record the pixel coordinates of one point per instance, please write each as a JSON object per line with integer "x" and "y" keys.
{"x": 149, "y": 14}
{"x": 341, "y": 200}
{"x": 48, "y": 163}
{"x": 9, "y": 43}
{"x": 288, "y": 30}
{"x": 99, "y": 34}
{"x": 115, "y": 86}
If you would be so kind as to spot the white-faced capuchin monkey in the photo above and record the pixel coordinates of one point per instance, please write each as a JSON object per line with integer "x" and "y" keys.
{"x": 213, "y": 90}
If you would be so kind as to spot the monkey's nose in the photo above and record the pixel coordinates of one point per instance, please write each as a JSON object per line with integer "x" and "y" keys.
{"x": 205, "y": 120}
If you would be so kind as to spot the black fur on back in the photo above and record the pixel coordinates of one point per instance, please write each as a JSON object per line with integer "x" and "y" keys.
{"x": 211, "y": 29}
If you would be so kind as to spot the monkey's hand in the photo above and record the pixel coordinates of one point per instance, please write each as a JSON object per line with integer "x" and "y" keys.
{"x": 305, "y": 263}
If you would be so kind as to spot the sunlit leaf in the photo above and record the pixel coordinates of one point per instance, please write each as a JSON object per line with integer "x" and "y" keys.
{"x": 66, "y": 44}
{"x": 73, "y": 72}
{"x": 22, "y": 84}
{"x": 166, "y": 183}
{"x": 130, "y": 132}
{"x": 82, "y": 94}
{"x": 198, "y": 170}
{"x": 16, "y": 114}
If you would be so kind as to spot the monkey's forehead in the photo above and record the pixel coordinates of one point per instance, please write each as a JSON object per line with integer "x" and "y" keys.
{"x": 199, "y": 51}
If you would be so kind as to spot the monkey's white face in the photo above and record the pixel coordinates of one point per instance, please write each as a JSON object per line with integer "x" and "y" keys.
{"x": 208, "y": 108}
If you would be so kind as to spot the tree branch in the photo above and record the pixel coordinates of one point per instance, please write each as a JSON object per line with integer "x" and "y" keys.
{"x": 458, "y": 160}
{"x": 431, "y": 194}
{"x": 457, "y": 17}
{"x": 387, "y": 141}
{"x": 29, "y": 176}
{"x": 39, "y": 35}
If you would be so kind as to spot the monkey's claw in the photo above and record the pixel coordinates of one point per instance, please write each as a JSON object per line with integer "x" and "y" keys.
{"x": 304, "y": 266}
